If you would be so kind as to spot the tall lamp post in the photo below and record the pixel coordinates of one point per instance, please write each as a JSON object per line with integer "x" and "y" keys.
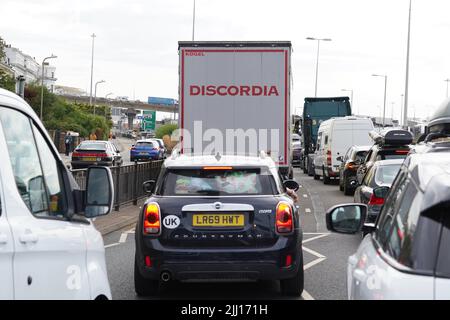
{"x": 95, "y": 94}
{"x": 106, "y": 97}
{"x": 92, "y": 68}
{"x": 42, "y": 81}
{"x": 193, "y": 23}
{"x": 447, "y": 80}
{"x": 351, "y": 94}
{"x": 385, "y": 90}
{"x": 318, "y": 54}
{"x": 405, "y": 112}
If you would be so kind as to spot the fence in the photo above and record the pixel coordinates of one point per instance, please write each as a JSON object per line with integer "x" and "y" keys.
{"x": 127, "y": 180}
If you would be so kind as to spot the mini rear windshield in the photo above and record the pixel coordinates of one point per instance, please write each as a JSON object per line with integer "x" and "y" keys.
{"x": 92, "y": 146}
{"x": 200, "y": 182}
{"x": 385, "y": 175}
{"x": 392, "y": 154}
{"x": 360, "y": 156}
{"x": 144, "y": 144}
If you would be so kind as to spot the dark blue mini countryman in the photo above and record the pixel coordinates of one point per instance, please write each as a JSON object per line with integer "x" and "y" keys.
{"x": 219, "y": 218}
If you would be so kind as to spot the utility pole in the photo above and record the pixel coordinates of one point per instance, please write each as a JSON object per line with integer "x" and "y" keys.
{"x": 92, "y": 68}
{"x": 385, "y": 91}
{"x": 317, "y": 61}
{"x": 42, "y": 82}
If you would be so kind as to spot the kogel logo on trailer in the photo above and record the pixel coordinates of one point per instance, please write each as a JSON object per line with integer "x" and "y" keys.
{"x": 255, "y": 91}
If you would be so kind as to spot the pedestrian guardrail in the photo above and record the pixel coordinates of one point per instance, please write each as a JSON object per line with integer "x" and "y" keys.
{"x": 128, "y": 180}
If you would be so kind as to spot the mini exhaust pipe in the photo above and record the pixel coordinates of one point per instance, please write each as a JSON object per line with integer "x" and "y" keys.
{"x": 165, "y": 276}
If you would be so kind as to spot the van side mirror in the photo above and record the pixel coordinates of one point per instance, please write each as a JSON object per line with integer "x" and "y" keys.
{"x": 149, "y": 186}
{"x": 291, "y": 184}
{"x": 99, "y": 193}
{"x": 340, "y": 159}
{"x": 346, "y": 218}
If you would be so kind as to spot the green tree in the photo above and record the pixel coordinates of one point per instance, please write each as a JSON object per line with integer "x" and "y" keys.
{"x": 7, "y": 82}
{"x": 2, "y": 48}
{"x": 166, "y": 129}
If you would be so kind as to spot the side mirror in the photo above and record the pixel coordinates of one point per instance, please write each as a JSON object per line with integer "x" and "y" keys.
{"x": 291, "y": 184}
{"x": 346, "y": 218}
{"x": 99, "y": 192}
{"x": 148, "y": 186}
{"x": 381, "y": 192}
{"x": 340, "y": 159}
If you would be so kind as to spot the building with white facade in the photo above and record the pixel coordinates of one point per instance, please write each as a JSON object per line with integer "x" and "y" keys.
{"x": 24, "y": 65}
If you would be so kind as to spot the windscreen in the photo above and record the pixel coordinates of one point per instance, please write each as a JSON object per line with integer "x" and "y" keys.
{"x": 361, "y": 156}
{"x": 385, "y": 175}
{"x": 198, "y": 182}
{"x": 92, "y": 146}
{"x": 144, "y": 144}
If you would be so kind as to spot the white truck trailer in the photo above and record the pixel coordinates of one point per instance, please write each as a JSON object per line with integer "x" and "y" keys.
{"x": 235, "y": 99}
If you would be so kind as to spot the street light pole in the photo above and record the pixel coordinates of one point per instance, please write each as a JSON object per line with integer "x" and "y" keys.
{"x": 351, "y": 95}
{"x": 385, "y": 91}
{"x": 42, "y": 82}
{"x": 106, "y": 97}
{"x": 95, "y": 96}
{"x": 317, "y": 61}
{"x": 405, "y": 112}
{"x": 193, "y": 24}
{"x": 92, "y": 68}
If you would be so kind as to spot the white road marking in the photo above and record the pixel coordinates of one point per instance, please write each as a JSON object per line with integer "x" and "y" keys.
{"x": 313, "y": 233}
{"x": 307, "y": 296}
{"x": 123, "y": 237}
{"x": 314, "y": 253}
{"x": 315, "y": 238}
{"x": 308, "y": 210}
{"x": 313, "y": 263}
{"x": 112, "y": 245}
{"x": 305, "y": 196}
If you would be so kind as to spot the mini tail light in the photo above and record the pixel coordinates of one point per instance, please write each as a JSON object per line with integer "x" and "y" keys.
{"x": 148, "y": 261}
{"x": 402, "y": 151}
{"x": 284, "y": 218}
{"x": 288, "y": 261}
{"x": 152, "y": 219}
{"x": 351, "y": 166}
{"x": 375, "y": 201}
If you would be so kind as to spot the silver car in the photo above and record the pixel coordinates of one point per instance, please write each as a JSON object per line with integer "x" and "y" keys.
{"x": 406, "y": 254}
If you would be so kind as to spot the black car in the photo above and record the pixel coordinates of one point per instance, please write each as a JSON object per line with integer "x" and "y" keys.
{"x": 296, "y": 153}
{"x": 389, "y": 144}
{"x": 349, "y": 166}
{"x": 380, "y": 175}
{"x": 96, "y": 152}
{"x": 218, "y": 218}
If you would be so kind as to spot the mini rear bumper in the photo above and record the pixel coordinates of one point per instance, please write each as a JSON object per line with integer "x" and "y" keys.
{"x": 221, "y": 265}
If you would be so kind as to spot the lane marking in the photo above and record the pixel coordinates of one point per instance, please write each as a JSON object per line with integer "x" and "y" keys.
{"x": 112, "y": 245}
{"x": 313, "y": 263}
{"x": 306, "y": 295}
{"x": 308, "y": 210}
{"x": 314, "y": 233}
{"x": 305, "y": 196}
{"x": 123, "y": 237}
{"x": 314, "y": 253}
{"x": 315, "y": 238}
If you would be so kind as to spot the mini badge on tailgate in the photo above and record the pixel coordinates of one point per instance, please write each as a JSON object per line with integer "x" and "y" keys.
{"x": 171, "y": 222}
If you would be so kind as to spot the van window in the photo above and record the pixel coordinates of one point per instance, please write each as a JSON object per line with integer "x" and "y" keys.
{"x": 326, "y": 140}
{"x": 36, "y": 174}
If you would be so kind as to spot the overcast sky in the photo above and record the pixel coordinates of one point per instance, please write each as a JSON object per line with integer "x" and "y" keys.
{"x": 136, "y": 44}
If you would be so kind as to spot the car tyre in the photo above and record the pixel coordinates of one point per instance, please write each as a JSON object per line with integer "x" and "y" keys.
{"x": 341, "y": 187}
{"x": 294, "y": 286}
{"x": 326, "y": 180}
{"x": 316, "y": 176}
{"x": 144, "y": 287}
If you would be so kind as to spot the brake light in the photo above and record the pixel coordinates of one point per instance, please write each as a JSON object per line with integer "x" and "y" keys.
{"x": 329, "y": 157}
{"x": 284, "y": 220}
{"x": 76, "y": 154}
{"x": 375, "y": 201}
{"x": 288, "y": 261}
{"x": 148, "y": 261}
{"x": 402, "y": 151}
{"x": 217, "y": 168}
{"x": 351, "y": 166}
{"x": 152, "y": 219}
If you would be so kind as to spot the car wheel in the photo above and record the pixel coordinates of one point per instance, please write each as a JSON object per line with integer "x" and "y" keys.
{"x": 316, "y": 176}
{"x": 294, "y": 286}
{"x": 142, "y": 286}
{"x": 326, "y": 180}
{"x": 341, "y": 187}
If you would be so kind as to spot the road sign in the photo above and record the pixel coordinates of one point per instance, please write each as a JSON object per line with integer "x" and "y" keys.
{"x": 148, "y": 120}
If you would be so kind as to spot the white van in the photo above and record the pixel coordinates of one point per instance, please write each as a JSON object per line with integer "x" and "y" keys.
{"x": 49, "y": 248}
{"x": 335, "y": 137}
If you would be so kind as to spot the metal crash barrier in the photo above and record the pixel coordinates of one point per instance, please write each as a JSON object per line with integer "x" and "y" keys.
{"x": 128, "y": 180}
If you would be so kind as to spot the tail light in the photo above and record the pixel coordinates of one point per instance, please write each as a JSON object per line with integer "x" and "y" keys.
{"x": 152, "y": 219}
{"x": 329, "y": 157}
{"x": 351, "y": 166}
{"x": 288, "y": 261}
{"x": 284, "y": 219}
{"x": 402, "y": 151}
{"x": 375, "y": 201}
{"x": 76, "y": 154}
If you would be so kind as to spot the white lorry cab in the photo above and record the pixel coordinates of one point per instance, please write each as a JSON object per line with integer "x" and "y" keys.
{"x": 335, "y": 137}
{"x": 49, "y": 248}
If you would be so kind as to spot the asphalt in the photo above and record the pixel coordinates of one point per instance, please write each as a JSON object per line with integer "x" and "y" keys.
{"x": 325, "y": 257}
